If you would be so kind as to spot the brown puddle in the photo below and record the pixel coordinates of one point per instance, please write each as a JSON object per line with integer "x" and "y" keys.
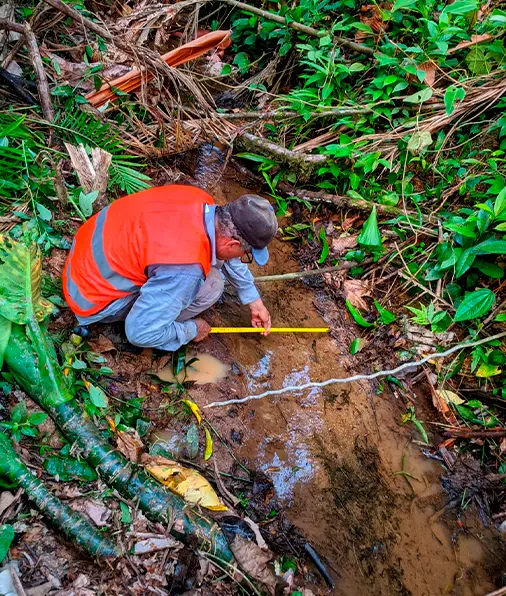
{"x": 206, "y": 369}
{"x": 334, "y": 455}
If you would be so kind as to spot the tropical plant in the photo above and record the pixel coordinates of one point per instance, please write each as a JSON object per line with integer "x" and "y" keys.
{"x": 71, "y": 523}
{"x": 31, "y": 359}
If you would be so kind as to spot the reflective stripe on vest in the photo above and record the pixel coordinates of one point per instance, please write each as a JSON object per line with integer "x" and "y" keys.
{"x": 73, "y": 290}
{"x": 123, "y": 284}
{"x": 119, "y": 282}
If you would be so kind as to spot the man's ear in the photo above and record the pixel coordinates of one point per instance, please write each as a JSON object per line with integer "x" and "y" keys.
{"x": 233, "y": 243}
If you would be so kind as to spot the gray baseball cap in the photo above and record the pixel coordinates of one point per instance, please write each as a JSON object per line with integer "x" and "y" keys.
{"x": 256, "y": 221}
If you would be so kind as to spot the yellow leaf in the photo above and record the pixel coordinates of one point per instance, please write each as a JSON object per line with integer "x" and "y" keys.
{"x": 187, "y": 483}
{"x": 450, "y": 397}
{"x": 194, "y": 408}
{"x": 209, "y": 445}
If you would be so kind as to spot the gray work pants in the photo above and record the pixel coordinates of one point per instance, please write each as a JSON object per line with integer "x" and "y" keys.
{"x": 208, "y": 294}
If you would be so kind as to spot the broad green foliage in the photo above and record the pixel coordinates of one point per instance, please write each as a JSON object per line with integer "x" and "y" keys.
{"x": 20, "y": 282}
{"x": 6, "y": 538}
{"x": 450, "y": 177}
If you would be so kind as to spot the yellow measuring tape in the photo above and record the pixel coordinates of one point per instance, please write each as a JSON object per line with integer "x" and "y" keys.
{"x": 272, "y": 330}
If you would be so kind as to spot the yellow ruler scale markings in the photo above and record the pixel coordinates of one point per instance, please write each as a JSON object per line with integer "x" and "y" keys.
{"x": 272, "y": 330}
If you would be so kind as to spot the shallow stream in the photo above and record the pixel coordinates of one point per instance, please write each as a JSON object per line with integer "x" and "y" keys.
{"x": 335, "y": 455}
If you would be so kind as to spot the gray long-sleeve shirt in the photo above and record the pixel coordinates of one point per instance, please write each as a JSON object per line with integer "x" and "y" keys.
{"x": 150, "y": 315}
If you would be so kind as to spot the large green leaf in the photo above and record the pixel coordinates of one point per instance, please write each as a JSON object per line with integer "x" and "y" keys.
{"x": 20, "y": 282}
{"x": 475, "y": 305}
{"x": 5, "y": 333}
{"x": 370, "y": 236}
{"x": 6, "y": 537}
{"x": 68, "y": 468}
{"x": 490, "y": 247}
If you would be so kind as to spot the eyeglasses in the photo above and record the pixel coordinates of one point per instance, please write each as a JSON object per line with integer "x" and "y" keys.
{"x": 247, "y": 257}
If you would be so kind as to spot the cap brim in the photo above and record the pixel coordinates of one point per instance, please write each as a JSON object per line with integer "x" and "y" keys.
{"x": 261, "y": 256}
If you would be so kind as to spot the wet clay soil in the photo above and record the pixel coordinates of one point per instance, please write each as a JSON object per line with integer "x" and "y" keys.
{"x": 333, "y": 454}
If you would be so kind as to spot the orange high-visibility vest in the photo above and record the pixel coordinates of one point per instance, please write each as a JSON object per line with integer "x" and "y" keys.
{"x": 113, "y": 249}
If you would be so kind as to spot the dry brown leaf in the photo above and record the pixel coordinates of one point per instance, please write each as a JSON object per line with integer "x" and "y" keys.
{"x": 102, "y": 344}
{"x": 255, "y": 562}
{"x": 483, "y": 11}
{"x": 98, "y": 513}
{"x": 6, "y": 500}
{"x": 348, "y": 222}
{"x": 341, "y": 245}
{"x": 441, "y": 405}
{"x": 429, "y": 68}
{"x": 502, "y": 446}
{"x": 130, "y": 444}
{"x": 354, "y": 290}
{"x": 473, "y": 41}
{"x": 371, "y": 14}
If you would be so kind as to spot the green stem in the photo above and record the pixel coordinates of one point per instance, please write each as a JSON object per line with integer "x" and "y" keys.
{"x": 75, "y": 527}
{"x": 40, "y": 376}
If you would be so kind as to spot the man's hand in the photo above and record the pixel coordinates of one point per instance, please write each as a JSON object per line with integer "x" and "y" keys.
{"x": 260, "y": 316}
{"x": 203, "y": 329}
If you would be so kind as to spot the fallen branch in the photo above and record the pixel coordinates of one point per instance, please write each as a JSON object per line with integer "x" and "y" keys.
{"x": 40, "y": 74}
{"x": 475, "y": 434}
{"x": 310, "y": 273}
{"x": 343, "y": 201}
{"x": 12, "y": 26}
{"x": 343, "y": 41}
{"x": 301, "y": 161}
{"x": 312, "y": 196}
{"x": 369, "y": 377}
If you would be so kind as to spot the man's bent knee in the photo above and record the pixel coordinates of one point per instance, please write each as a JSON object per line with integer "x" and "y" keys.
{"x": 208, "y": 294}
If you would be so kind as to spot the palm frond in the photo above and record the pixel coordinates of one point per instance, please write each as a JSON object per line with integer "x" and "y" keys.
{"x": 83, "y": 128}
{"x": 125, "y": 177}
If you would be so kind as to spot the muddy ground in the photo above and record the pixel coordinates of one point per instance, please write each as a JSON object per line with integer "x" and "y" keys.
{"x": 333, "y": 455}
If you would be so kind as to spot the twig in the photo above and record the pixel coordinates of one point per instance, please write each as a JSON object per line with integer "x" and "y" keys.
{"x": 493, "y": 314}
{"x": 439, "y": 285}
{"x": 369, "y": 377}
{"x": 87, "y": 23}
{"x": 223, "y": 489}
{"x": 16, "y": 582}
{"x": 475, "y": 434}
{"x": 310, "y": 273}
{"x": 12, "y": 26}
{"x": 15, "y": 49}
{"x": 357, "y": 47}
{"x": 283, "y": 154}
{"x": 40, "y": 74}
